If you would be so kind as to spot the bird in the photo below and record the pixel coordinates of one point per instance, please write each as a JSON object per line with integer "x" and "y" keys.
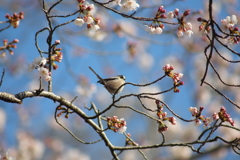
{"x": 111, "y": 84}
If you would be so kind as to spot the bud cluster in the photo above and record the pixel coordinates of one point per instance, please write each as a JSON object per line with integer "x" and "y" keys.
{"x": 162, "y": 116}
{"x": 56, "y": 55}
{"x": 229, "y": 24}
{"x": 157, "y": 27}
{"x": 222, "y": 115}
{"x": 185, "y": 28}
{"x": 8, "y": 46}
{"x": 63, "y": 110}
{"x": 205, "y": 26}
{"x": 117, "y": 125}
{"x": 175, "y": 76}
{"x": 15, "y": 18}
{"x": 199, "y": 118}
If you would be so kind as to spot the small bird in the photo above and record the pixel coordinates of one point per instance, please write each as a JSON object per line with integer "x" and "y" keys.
{"x": 111, "y": 84}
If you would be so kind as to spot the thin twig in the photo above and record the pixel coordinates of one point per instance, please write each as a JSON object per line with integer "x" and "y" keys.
{"x": 222, "y": 94}
{"x": 55, "y": 116}
{"x": 2, "y": 77}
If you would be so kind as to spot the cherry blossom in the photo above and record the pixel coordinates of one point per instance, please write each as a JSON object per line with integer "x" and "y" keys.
{"x": 79, "y": 22}
{"x": 44, "y": 72}
{"x": 229, "y": 21}
{"x": 37, "y": 62}
{"x": 129, "y": 5}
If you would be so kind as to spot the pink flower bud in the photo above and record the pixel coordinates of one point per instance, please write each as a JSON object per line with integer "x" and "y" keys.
{"x": 223, "y": 109}
{"x": 81, "y": 1}
{"x": 163, "y": 16}
{"x": 181, "y": 83}
{"x": 160, "y": 9}
{"x": 7, "y": 16}
{"x": 57, "y": 41}
{"x": 97, "y": 21}
{"x": 15, "y": 41}
{"x": 186, "y": 13}
{"x": 15, "y": 15}
{"x": 176, "y": 90}
{"x": 21, "y": 16}
{"x": 201, "y": 108}
{"x": 5, "y": 42}
{"x": 236, "y": 29}
{"x": 13, "y": 46}
{"x": 201, "y": 27}
{"x": 11, "y": 52}
{"x": 199, "y": 19}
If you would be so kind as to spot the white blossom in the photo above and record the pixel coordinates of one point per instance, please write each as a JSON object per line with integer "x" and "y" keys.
{"x": 180, "y": 33}
{"x": 130, "y": 5}
{"x": 44, "y": 72}
{"x": 170, "y": 15}
{"x": 158, "y": 30}
{"x": 89, "y": 20}
{"x": 95, "y": 27}
{"x": 37, "y": 62}
{"x": 189, "y": 33}
{"x": 230, "y": 21}
{"x": 153, "y": 30}
{"x": 122, "y": 129}
{"x": 189, "y": 26}
{"x": 79, "y": 22}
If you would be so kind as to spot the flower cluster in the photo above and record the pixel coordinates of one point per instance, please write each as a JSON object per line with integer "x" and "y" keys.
{"x": 15, "y": 18}
{"x": 42, "y": 64}
{"x": 185, "y": 28}
{"x": 117, "y": 125}
{"x": 157, "y": 27}
{"x": 222, "y": 115}
{"x": 229, "y": 24}
{"x": 85, "y": 9}
{"x": 205, "y": 26}
{"x": 175, "y": 76}
{"x": 39, "y": 63}
{"x": 8, "y": 46}
{"x": 199, "y": 118}
{"x": 162, "y": 117}
{"x": 128, "y": 5}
